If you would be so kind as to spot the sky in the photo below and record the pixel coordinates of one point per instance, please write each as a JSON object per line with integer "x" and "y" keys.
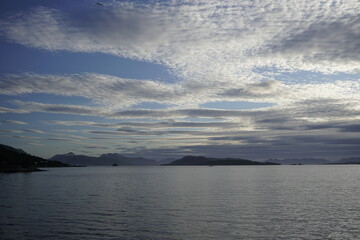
{"x": 164, "y": 79}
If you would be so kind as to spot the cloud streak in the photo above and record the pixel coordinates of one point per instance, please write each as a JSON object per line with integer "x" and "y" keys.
{"x": 14, "y": 122}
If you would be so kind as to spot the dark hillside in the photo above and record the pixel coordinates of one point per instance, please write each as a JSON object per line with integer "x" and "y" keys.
{"x": 17, "y": 160}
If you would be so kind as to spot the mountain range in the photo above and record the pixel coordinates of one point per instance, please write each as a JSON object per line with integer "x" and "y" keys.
{"x": 116, "y": 159}
{"x": 17, "y": 160}
{"x": 201, "y": 161}
{"x": 103, "y": 160}
{"x": 109, "y": 159}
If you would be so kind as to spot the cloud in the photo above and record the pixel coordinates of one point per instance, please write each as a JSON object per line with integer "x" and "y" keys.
{"x": 152, "y": 125}
{"x": 283, "y": 150}
{"x": 276, "y": 126}
{"x": 35, "y": 143}
{"x": 60, "y": 108}
{"x": 313, "y": 111}
{"x": 33, "y": 131}
{"x": 135, "y": 133}
{"x": 328, "y": 41}
{"x": 350, "y": 128}
{"x": 65, "y": 135}
{"x": 63, "y": 140}
{"x": 202, "y": 40}
{"x": 324, "y": 139}
{"x": 265, "y": 87}
{"x": 214, "y": 47}
{"x": 220, "y": 51}
{"x": 111, "y": 92}
{"x": 14, "y": 122}
{"x": 9, "y": 110}
{"x": 253, "y": 90}
{"x": 10, "y": 131}
{"x": 262, "y": 150}
{"x": 102, "y": 89}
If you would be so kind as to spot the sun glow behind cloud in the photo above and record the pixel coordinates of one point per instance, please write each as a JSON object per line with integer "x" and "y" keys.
{"x": 259, "y": 52}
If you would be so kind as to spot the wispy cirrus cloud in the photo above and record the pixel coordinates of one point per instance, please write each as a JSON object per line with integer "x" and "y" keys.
{"x": 151, "y": 125}
{"x": 10, "y": 131}
{"x": 14, "y": 122}
{"x": 33, "y": 131}
{"x": 11, "y": 110}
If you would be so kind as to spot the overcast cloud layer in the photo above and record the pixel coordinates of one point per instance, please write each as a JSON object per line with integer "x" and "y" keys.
{"x": 239, "y": 51}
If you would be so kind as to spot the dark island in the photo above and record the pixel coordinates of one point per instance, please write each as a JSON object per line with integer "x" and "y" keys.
{"x": 16, "y": 160}
{"x": 204, "y": 161}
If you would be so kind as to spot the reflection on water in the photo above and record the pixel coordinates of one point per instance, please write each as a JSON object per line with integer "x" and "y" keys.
{"x": 242, "y": 202}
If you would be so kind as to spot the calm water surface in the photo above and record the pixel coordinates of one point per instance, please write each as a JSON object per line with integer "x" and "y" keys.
{"x": 242, "y": 202}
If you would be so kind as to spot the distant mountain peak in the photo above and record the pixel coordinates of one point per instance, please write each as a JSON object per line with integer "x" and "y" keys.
{"x": 69, "y": 154}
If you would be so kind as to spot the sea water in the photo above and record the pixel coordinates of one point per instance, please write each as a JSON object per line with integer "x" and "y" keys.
{"x": 222, "y": 202}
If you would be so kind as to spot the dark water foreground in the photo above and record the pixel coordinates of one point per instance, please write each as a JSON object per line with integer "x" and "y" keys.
{"x": 242, "y": 202}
